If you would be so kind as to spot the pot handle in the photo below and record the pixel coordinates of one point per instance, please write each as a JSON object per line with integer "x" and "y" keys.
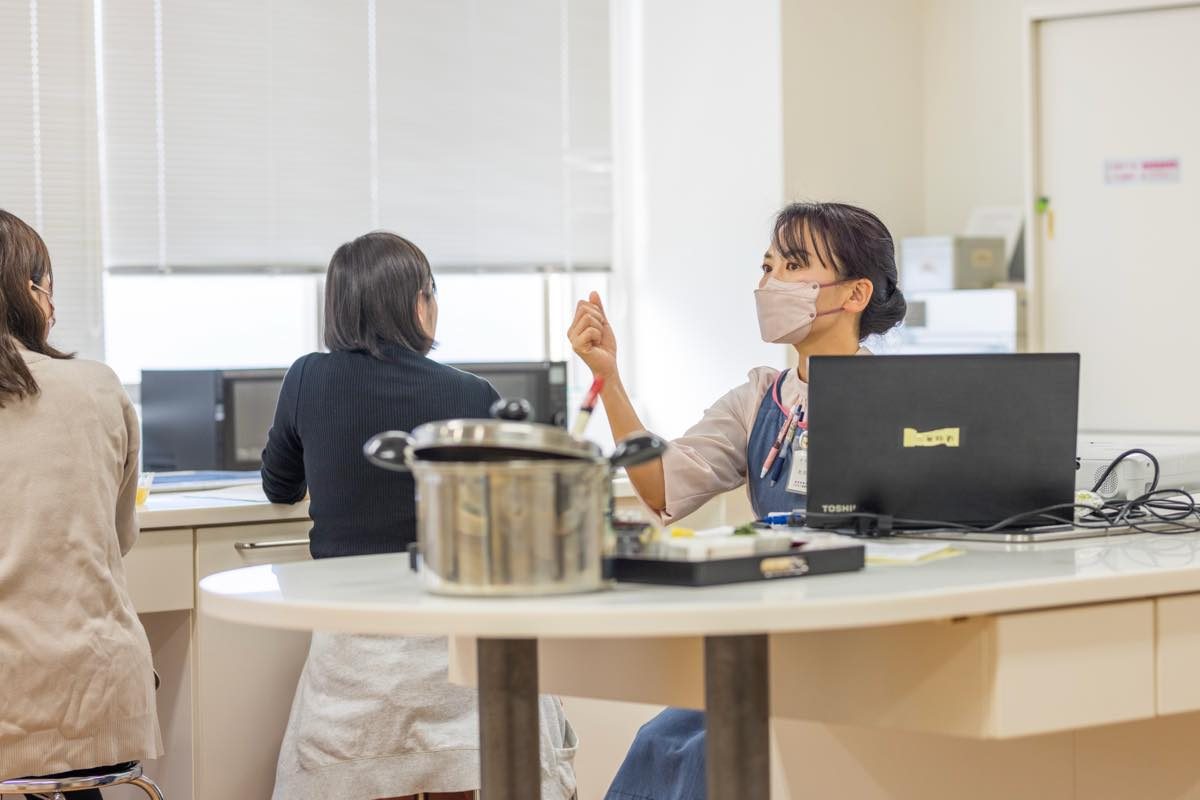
{"x": 513, "y": 409}
{"x": 389, "y": 450}
{"x": 637, "y": 449}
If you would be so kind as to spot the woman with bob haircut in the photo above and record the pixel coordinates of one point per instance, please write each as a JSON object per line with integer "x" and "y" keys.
{"x": 376, "y": 716}
{"x": 76, "y": 680}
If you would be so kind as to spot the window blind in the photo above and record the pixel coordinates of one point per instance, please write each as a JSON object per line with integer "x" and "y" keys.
{"x": 263, "y": 133}
{"x": 48, "y": 164}
{"x": 490, "y": 115}
{"x": 236, "y": 131}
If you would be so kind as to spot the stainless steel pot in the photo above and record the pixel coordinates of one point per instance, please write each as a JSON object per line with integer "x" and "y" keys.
{"x": 507, "y": 507}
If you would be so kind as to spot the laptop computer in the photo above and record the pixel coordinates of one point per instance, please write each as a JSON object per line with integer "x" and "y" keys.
{"x": 928, "y": 440}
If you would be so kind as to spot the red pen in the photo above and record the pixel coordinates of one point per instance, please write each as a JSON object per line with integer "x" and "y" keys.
{"x": 775, "y": 448}
{"x": 589, "y": 405}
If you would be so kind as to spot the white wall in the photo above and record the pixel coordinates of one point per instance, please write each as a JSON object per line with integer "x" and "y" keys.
{"x": 853, "y": 106}
{"x": 911, "y": 108}
{"x": 698, "y": 156}
{"x": 974, "y": 108}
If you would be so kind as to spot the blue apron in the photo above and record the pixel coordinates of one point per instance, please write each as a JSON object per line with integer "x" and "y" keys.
{"x": 764, "y": 497}
{"x": 666, "y": 759}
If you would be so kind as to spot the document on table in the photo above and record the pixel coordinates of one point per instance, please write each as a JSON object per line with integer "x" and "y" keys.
{"x": 252, "y": 493}
{"x": 909, "y": 552}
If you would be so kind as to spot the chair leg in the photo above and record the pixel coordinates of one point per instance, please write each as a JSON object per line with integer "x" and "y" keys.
{"x": 149, "y": 787}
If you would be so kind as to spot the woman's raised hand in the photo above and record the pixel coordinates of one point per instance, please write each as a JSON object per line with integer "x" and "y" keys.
{"x": 592, "y": 337}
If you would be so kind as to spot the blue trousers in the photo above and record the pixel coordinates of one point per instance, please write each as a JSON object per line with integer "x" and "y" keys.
{"x": 665, "y": 761}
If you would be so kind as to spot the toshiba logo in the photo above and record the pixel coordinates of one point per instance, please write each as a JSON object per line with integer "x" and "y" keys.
{"x": 839, "y": 508}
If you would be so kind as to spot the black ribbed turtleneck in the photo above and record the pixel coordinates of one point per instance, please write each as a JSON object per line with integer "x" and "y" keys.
{"x": 330, "y": 404}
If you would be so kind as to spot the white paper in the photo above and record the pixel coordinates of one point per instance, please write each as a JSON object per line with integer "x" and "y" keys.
{"x": 246, "y": 493}
{"x": 904, "y": 552}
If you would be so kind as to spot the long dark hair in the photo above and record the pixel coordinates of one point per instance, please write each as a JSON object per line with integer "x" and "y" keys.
{"x": 856, "y": 244}
{"x": 371, "y": 294}
{"x": 23, "y": 258}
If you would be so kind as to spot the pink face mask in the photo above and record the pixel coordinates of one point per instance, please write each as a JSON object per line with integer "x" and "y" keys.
{"x": 787, "y": 310}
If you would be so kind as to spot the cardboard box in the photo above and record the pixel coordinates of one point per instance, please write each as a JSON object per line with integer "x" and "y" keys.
{"x": 937, "y": 263}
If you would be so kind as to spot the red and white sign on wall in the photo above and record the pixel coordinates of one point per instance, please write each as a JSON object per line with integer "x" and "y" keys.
{"x": 1141, "y": 170}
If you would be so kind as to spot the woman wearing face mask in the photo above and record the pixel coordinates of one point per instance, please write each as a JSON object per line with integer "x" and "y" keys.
{"x": 828, "y": 281}
{"x": 376, "y": 716}
{"x": 76, "y": 681}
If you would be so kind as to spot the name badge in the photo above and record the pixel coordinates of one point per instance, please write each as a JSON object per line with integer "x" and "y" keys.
{"x": 798, "y": 474}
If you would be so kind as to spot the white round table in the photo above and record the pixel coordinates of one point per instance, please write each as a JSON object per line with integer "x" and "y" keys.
{"x": 381, "y": 595}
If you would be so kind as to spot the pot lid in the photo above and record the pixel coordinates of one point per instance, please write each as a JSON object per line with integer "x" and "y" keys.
{"x": 496, "y": 440}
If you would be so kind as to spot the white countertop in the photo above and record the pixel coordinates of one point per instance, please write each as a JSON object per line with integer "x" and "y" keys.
{"x": 379, "y": 594}
{"x": 237, "y": 505}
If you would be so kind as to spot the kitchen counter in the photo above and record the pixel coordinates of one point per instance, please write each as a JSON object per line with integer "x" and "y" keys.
{"x": 236, "y": 505}
{"x": 226, "y": 690}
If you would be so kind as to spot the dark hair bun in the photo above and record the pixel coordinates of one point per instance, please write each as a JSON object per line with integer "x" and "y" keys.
{"x": 885, "y": 311}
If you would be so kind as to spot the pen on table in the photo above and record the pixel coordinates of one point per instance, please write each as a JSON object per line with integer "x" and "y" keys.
{"x": 589, "y": 405}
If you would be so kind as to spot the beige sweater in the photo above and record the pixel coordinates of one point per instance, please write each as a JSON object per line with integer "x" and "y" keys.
{"x": 76, "y": 681}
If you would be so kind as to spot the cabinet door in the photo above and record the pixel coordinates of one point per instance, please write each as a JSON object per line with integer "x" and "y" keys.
{"x": 158, "y": 571}
{"x": 245, "y": 676}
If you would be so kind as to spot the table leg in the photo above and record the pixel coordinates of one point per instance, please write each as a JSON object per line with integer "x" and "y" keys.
{"x": 736, "y": 698}
{"x": 508, "y": 719}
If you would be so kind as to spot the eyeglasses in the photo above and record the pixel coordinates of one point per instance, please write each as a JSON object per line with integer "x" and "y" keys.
{"x": 50, "y": 298}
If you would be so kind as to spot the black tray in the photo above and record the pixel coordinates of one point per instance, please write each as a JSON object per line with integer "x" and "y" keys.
{"x": 796, "y": 563}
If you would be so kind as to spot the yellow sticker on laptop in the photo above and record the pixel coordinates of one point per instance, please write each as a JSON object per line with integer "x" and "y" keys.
{"x": 942, "y": 437}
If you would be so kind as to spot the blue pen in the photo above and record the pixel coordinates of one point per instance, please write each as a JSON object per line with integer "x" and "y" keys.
{"x": 777, "y": 469}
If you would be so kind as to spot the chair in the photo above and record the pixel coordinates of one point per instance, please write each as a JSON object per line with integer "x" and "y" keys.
{"x": 58, "y": 787}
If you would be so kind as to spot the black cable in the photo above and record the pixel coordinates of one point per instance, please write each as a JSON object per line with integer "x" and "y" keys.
{"x": 1172, "y": 513}
{"x": 867, "y": 516}
{"x": 1135, "y": 514}
{"x": 1117, "y": 461}
{"x": 1040, "y": 512}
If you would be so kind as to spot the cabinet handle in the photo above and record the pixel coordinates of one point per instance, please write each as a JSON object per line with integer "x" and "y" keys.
{"x": 268, "y": 545}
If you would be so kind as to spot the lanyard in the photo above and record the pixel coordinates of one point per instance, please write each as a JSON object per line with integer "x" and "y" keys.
{"x": 791, "y": 421}
{"x": 787, "y": 412}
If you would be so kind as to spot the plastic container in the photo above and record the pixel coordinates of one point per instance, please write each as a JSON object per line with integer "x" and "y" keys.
{"x": 145, "y": 481}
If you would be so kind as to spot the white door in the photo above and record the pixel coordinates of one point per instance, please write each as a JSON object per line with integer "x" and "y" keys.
{"x": 1119, "y": 138}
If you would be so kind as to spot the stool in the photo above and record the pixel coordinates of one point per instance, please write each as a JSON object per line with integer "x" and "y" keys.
{"x": 53, "y": 787}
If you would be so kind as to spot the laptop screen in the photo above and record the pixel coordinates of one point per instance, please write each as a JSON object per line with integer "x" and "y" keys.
{"x": 964, "y": 439}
